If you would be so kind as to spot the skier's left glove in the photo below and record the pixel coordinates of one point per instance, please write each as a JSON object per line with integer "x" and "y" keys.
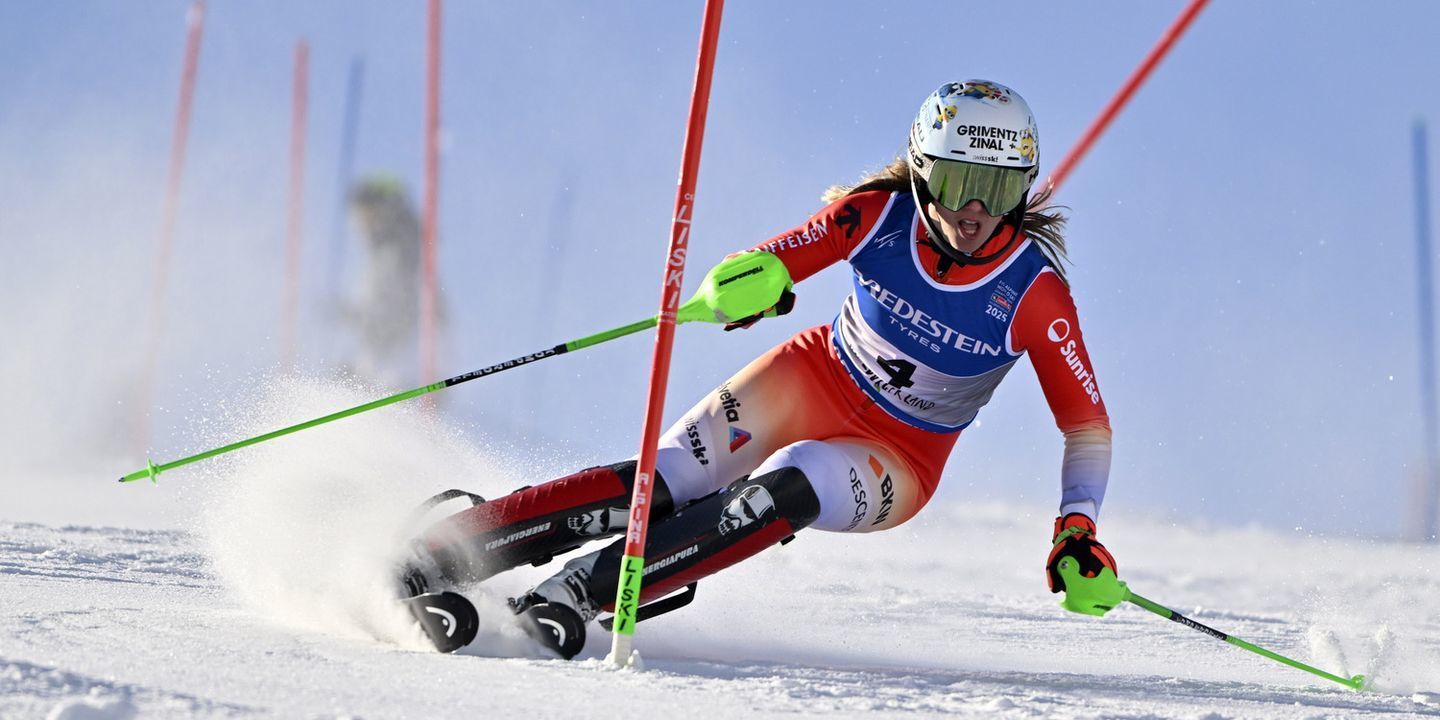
{"x": 1075, "y": 537}
{"x": 785, "y": 304}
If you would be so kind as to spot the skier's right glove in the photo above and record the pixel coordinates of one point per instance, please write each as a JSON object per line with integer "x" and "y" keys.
{"x": 1075, "y": 537}
{"x": 785, "y": 304}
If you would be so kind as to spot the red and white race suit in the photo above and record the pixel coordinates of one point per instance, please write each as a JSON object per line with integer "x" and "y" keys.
{"x": 870, "y": 406}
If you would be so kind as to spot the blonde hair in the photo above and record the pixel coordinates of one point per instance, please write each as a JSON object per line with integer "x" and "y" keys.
{"x": 1043, "y": 224}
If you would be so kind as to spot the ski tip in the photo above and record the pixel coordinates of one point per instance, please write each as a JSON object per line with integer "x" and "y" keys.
{"x": 556, "y": 627}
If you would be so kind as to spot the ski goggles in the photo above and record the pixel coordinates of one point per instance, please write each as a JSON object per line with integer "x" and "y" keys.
{"x": 954, "y": 183}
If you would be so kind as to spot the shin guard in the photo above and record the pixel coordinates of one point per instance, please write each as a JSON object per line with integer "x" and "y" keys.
{"x": 533, "y": 524}
{"x": 700, "y": 539}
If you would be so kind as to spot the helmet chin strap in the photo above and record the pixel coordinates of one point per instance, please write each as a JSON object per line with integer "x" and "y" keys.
{"x": 950, "y": 256}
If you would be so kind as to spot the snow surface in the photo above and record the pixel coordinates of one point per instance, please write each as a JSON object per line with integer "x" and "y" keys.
{"x": 271, "y": 602}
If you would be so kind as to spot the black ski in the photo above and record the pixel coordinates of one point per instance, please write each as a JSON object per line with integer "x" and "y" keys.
{"x": 446, "y": 617}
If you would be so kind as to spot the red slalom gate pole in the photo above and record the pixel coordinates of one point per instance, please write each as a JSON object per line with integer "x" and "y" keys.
{"x": 1132, "y": 84}
{"x": 627, "y": 597}
{"x": 195, "y": 24}
{"x": 428, "y": 290}
{"x": 299, "y": 101}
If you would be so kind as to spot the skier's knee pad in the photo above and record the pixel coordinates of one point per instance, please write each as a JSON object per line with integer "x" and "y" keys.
{"x": 785, "y": 489}
{"x": 861, "y": 486}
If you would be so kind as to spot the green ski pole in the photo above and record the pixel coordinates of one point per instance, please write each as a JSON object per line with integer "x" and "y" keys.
{"x": 1101, "y": 594}
{"x": 739, "y": 287}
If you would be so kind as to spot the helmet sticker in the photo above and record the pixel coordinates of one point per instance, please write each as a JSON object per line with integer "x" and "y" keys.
{"x": 986, "y": 91}
{"x": 943, "y": 113}
{"x": 1026, "y": 147}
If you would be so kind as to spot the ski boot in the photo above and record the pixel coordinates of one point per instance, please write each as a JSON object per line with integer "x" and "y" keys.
{"x": 529, "y": 526}
{"x": 555, "y": 613}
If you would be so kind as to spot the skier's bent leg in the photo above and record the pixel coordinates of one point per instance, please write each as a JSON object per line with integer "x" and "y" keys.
{"x": 531, "y": 525}
{"x": 701, "y": 538}
{"x": 862, "y": 485}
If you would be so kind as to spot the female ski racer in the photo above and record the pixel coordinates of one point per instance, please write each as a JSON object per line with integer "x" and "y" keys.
{"x": 844, "y": 427}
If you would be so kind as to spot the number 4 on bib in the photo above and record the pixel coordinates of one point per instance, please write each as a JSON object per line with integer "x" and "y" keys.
{"x": 899, "y": 371}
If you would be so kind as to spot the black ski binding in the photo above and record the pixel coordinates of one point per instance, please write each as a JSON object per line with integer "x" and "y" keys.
{"x": 447, "y": 618}
{"x": 420, "y": 510}
{"x": 669, "y": 603}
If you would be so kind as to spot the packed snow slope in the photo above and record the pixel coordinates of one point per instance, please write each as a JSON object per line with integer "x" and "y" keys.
{"x": 944, "y": 617}
{"x": 273, "y": 603}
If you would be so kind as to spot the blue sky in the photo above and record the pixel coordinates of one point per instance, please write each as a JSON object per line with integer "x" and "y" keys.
{"x": 1242, "y": 237}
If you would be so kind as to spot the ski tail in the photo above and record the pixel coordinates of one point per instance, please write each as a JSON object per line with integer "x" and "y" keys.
{"x": 447, "y": 618}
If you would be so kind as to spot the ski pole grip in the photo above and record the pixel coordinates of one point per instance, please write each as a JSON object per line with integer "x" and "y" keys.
{"x": 1090, "y": 596}
{"x": 738, "y": 287}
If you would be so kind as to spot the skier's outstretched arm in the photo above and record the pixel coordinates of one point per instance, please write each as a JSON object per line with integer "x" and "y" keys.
{"x": 1047, "y": 327}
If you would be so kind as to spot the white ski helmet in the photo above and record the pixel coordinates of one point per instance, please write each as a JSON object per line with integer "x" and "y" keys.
{"x": 974, "y": 140}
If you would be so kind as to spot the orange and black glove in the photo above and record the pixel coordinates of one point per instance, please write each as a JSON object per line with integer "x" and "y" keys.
{"x": 785, "y": 304}
{"x": 1075, "y": 537}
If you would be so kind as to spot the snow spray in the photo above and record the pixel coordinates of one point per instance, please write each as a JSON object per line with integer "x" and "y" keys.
{"x": 311, "y": 532}
{"x": 1374, "y": 634}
